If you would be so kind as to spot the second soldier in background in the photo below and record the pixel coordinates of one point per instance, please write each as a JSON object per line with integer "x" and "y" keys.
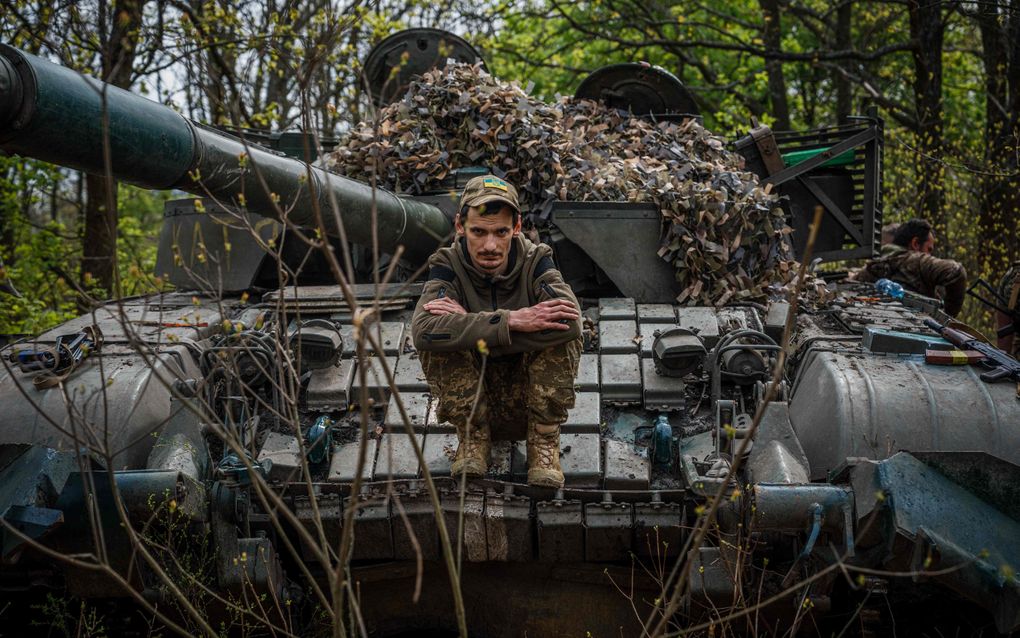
{"x": 908, "y": 261}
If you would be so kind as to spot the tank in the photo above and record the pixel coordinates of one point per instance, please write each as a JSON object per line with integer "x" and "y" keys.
{"x": 271, "y": 426}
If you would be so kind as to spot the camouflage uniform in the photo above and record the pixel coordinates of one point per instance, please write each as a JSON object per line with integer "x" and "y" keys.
{"x": 530, "y": 386}
{"x": 528, "y": 381}
{"x": 920, "y": 273}
{"x": 1009, "y": 289}
{"x": 528, "y": 376}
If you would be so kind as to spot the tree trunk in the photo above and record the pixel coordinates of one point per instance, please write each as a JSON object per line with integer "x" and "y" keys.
{"x": 926, "y": 31}
{"x": 54, "y": 200}
{"x": 7, "y": 215}
{"x": 772, "y": 35}
{"x": 99, "y": 248}
{"x": 217, "y": 88}
{"x": 844, "y": 94}
{"x": 99, "y": 236}
{"x": 999, "y": 25}
{"x": 1009, "y": 141}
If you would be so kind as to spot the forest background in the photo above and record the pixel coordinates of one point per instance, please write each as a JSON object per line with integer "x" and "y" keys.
{"x": 944, "y": 76}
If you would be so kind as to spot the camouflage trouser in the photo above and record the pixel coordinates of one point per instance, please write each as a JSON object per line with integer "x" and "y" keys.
{"x": 532, "y": 386}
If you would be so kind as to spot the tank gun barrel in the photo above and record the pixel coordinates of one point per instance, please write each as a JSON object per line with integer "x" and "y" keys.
{"x": 52, "y": 113}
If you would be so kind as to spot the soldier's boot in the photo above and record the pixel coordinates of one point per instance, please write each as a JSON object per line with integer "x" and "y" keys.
{"x": 544, "y": 455}
{"x": 473, "y": 449}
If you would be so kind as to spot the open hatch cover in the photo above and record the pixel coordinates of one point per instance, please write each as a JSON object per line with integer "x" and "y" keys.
{"x": 425, "y": 48}
{"x": 638, "y": 87}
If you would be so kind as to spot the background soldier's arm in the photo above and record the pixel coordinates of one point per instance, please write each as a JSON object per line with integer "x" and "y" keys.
{"x": 955, "y": 293}
{"x": 949, "y": 274}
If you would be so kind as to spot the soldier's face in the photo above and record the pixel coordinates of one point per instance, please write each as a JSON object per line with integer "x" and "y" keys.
{"x": 927, "y": 246}
{"x": 488, "y": 237}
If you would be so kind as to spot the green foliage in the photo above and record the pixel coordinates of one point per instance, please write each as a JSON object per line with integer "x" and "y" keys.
{"x": 718, "y": 51}
{"x": 69, "y": 617}
{"x": 41, "y": 255}
{"x": 138, "y": 227}
{"x": 30, "y": 253}
{"x": 555, "y": 50}
{"x": 302, "y": 66}
{"x": 47, "y": 298}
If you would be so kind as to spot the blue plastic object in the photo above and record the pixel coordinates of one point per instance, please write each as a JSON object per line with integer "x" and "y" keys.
{"x": 319, "y": 439}
{"x": 662, "y": 442}
{"x": 889, "y": 288}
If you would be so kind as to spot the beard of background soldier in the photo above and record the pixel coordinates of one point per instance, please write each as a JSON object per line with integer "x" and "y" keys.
{"x": 488, "y": 236}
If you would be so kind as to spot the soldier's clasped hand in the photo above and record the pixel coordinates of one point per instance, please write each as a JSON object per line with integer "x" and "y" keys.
{"x": 554, "y": 314}
{"x": 444, "y": 306}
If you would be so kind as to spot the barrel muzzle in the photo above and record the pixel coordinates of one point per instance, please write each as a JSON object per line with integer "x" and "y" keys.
{"x": 12, "y": 94}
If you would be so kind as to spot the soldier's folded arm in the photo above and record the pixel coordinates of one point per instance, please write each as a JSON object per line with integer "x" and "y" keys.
{"x": 548, "y": 286}
{"x": 453, "y": 331}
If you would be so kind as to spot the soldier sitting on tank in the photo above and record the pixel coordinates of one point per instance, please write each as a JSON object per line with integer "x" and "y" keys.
{"x": 493, "y": 291}
{"x": 908, "y": 261}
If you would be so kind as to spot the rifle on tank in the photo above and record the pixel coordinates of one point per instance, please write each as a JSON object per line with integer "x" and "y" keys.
{"x": 1002, "y": 365}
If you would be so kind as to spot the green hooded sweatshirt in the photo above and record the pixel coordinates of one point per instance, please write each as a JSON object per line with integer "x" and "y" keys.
{"x": 530, "y": 277}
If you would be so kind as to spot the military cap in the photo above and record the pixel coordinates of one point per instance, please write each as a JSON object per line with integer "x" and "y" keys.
{"x": 486, "y": 189}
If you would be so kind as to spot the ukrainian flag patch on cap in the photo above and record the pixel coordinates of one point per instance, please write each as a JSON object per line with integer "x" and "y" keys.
{"x": 494, "y": 182}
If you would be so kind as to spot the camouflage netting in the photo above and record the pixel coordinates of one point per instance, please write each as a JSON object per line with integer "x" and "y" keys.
{"x": 721, "y": 230}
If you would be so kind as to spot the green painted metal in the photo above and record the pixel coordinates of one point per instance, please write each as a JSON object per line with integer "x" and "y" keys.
{"x": 280, "y": 187}
{"x": 796, "y": 157}
{"x": 51, "y": 113}
{"x": 60, "y": 120}
{"x": 10, "y": 89}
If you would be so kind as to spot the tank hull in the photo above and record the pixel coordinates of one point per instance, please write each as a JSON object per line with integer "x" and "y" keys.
{"x": 259, "y": 445}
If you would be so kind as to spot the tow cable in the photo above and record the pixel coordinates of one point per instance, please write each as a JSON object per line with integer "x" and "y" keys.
{"x": 56, "y": 363}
